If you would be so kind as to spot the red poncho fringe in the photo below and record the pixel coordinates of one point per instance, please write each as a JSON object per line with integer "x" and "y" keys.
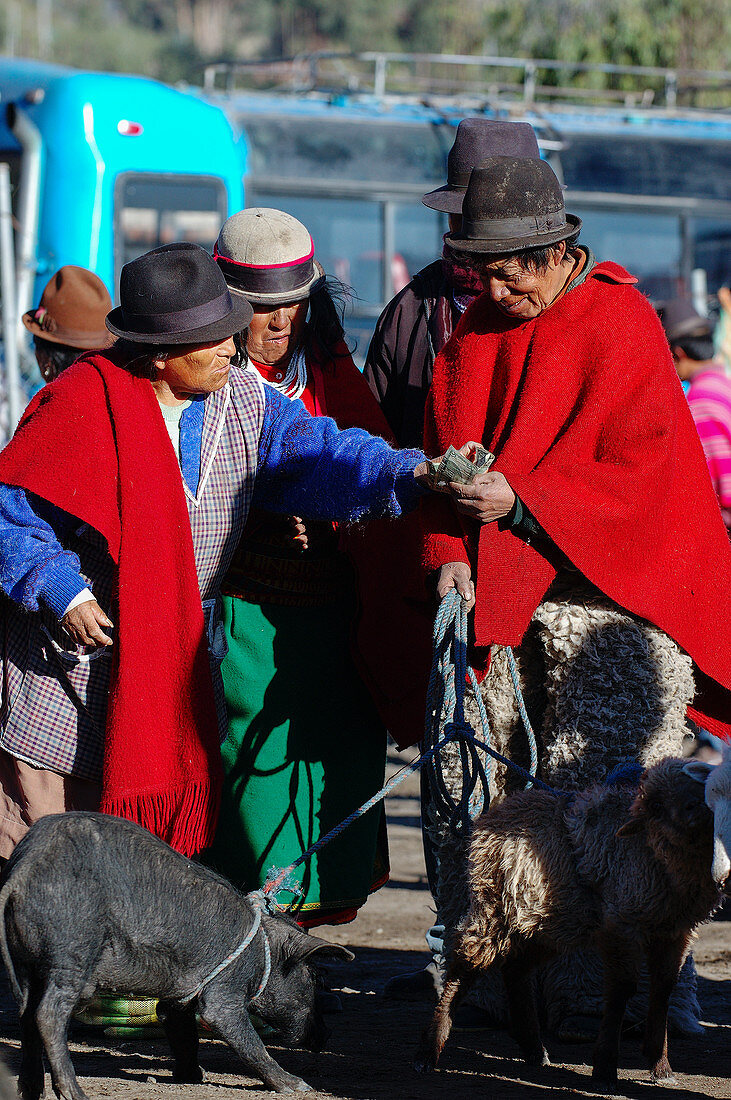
{"x": 94, "y": 444}
{"x": 584, "y": 410}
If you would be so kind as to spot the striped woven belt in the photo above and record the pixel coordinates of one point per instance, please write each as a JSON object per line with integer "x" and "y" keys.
{"x": 301, "y": 582}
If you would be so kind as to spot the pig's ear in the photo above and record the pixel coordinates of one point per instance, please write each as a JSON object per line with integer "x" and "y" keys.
{"x": 325, "y": 950}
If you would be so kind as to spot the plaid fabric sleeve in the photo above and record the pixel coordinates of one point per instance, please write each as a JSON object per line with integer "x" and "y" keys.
{"x": 33, "y": 564}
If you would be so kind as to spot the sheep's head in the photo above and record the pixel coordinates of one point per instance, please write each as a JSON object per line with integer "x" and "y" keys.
{"x": 671, "y": 812}
{"x": 716, "y": 780}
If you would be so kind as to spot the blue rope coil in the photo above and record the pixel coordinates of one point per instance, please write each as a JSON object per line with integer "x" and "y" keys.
{"x": 445, "y": 699}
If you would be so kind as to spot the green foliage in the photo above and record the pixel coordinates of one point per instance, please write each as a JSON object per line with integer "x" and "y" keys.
{"x": 173, "y": 38}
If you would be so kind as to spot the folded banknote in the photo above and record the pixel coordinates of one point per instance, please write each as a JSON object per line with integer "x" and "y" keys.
{"x": 453, "y": 466}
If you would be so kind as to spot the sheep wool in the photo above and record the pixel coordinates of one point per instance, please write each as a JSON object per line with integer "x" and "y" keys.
{"x": 601, "y": 687}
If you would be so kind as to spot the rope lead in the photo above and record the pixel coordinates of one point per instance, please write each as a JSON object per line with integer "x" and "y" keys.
{"x": 445, "y": 700}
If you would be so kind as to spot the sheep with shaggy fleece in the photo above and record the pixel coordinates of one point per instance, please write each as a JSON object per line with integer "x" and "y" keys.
{"x": 602, "y": 687}
{"x": 610, "y": 867}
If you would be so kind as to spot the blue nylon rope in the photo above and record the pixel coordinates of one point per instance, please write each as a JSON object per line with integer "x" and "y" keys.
{"x": 447, "y": 679}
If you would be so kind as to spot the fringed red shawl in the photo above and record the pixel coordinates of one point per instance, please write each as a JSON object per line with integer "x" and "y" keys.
{"x": 584, "y": 410}
{"x": 94, "y": 444}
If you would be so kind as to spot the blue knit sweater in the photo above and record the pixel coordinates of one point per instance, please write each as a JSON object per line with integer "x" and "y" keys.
{"x": 306, "y": 466}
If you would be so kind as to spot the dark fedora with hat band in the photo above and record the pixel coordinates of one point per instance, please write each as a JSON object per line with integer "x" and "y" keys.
{"x": 476, "y": 140}
{"x": 176, "y": 294}
{"x": 511, "y": 204}
{"x": 267, "y": 256}
{"x": 72, "y": 310}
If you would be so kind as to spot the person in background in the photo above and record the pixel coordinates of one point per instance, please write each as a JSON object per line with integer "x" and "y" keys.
{"x": 305, "y": 745}
{"x": 722, "y": 333}
{"x": 708, "y": 389}
{"x": 418, "y": 322}
{"x": 69, "y": 319}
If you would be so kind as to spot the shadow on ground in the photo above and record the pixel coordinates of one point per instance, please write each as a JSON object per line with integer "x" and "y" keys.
{"x": 372, "y": 1046}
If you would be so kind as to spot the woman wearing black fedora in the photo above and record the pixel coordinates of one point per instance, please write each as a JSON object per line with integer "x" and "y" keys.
{"x": 305, "y": 745}
{"x": 123, "y": 495}
{"x": 594, "y": 546}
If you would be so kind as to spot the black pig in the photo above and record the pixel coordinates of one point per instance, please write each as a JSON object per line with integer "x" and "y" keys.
{"x": 89, "y": 902}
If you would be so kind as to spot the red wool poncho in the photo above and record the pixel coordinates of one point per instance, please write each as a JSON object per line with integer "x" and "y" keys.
{"x": 94, "y": 444}
{"x": 587, "y": 418}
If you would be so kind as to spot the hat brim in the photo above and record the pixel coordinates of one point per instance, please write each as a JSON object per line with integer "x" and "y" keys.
{"x": 448, "y": 199}
{"x": 90, "y": 341}
{"x": 235, "y": 321}
{"x": 692, "y": 326}
{"x": 278, "y": 298}
{"x": 514, "y": 244}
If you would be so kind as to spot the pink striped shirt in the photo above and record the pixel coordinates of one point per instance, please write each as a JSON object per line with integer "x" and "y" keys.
{"x": 709, "y": 398}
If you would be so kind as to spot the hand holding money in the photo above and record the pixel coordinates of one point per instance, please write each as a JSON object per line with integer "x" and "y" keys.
{"x": 459, "y": 466}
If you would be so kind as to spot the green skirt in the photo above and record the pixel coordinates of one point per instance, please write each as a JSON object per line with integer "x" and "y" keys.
{"x": 304, "y": 749}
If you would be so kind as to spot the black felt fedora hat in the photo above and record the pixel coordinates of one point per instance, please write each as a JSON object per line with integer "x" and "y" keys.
{"x": 512, "y": 203}
{"x": 176, "y": 294}
{"x": 476, "y": 140}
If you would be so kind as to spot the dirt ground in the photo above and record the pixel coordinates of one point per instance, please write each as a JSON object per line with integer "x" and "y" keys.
{"x": 373, "y": 1040}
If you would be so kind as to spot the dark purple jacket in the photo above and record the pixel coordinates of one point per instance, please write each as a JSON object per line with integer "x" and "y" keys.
{"x": 402, "y": 351}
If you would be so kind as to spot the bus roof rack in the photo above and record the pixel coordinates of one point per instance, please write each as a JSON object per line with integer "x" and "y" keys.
{"x": 503, "y": 82}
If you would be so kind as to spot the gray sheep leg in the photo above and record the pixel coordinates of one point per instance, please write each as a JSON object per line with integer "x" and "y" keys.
{"x": 664, "y": 961}
{"x": 620, "y": 981}
{"x": 524, "y": 1024}
{"x": 457, "y": 981}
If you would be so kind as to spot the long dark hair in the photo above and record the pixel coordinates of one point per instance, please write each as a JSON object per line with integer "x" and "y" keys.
{"x": 324, "y": 330}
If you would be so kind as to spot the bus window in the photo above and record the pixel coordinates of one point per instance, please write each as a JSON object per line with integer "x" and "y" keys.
{"x": 417, "y": 235}
{"x": 711, "y": 243}
{"x": 365, "y": 149}
{"x": 649, "y": 245}
{"x": 348, "y": 238}
{"x": 646, "y": 164}
{"x": 150, "y": 210}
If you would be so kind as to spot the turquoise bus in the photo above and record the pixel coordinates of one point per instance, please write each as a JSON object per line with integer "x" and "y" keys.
{"x": 104, "y": 167}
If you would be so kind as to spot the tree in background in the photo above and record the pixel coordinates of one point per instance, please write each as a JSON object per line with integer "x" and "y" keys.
{"x": 685, "y": 34}
{"x": 172, "y": 39}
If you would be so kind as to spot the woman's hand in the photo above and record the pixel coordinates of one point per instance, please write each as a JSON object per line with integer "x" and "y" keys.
{"x": 299, "y": 532}
{"x": 487, "y": 498}
{"x": 457, "y": 574}
{"x": 85, "y": 622}
{"x": 423, "y": 476}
